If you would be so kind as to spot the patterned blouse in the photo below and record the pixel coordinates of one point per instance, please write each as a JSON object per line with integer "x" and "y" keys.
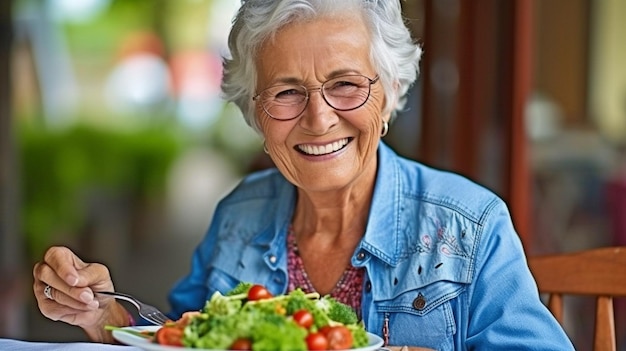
{"x": 347, "y": 290}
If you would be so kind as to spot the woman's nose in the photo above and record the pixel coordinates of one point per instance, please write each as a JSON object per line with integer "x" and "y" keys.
{"x": 318, "y": 116}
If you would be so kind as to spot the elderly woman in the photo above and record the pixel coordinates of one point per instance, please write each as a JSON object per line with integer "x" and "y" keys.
{"x": 425, "y": 257}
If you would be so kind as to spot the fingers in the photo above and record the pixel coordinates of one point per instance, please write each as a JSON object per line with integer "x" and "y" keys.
{"x": 62, "y": 269}
{"x": 72, "y": 283}
{"x": 64, "y": 263}
{"x": 63, "y": 298}
{"x": 60, "y": 305}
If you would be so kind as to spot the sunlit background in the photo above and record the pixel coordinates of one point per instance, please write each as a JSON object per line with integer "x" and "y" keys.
{"x": 122, "y": 142}
{"x": 117, "y": 143}
{"x": 118, "y": 113}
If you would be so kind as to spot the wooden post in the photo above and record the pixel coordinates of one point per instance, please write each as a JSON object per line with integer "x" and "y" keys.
{"x": 520, "y": 175}
{"x": 476, "y": 76}
{"x": 12, "y": 311}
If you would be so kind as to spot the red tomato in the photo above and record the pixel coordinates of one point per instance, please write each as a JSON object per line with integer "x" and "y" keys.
{"x": 258, "y": 292}
{"x": 171, "y": 336}
{"x": 241, "y": 344}
{"x": 325, "y": 329}
{"x": 339, "y": 338}
{"x": 303, "y": 318}
{"x": 316, "y": 341}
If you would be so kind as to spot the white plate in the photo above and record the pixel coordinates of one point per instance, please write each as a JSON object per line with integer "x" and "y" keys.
{"x": 375, "y": 342}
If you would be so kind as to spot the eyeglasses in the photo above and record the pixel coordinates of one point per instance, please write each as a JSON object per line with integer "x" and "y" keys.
{"x": 288, "y": 101}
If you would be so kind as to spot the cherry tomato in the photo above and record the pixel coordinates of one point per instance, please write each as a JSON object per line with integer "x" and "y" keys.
{"x": 339, "y": 338}
{"x": 171, "y": 336}
{"x": 303, "y": 318}
{"x": 316, "y": 341}
{"x": 258, "y": 292}
{"x": 325, "y": 329}
{"x": 241, "y": 344}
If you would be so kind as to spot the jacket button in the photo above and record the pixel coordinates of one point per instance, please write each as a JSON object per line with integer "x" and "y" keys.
{"x": 420, "y": 302}
{"x": 368, "y": 286}
{"x": 272, "y": 259}
{"x": 360, "y": 256}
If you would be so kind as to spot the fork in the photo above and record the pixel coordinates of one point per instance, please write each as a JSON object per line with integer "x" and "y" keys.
{"x": 147, "y": 312}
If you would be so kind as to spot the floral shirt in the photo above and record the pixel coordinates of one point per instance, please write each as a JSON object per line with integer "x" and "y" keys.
{"x": 347, "y": 290}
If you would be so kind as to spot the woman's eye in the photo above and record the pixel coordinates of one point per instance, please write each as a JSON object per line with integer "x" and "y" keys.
{"x": 342, "y": 84}
{"x": 286, "y": 93}
{"x": 342, "y": 87}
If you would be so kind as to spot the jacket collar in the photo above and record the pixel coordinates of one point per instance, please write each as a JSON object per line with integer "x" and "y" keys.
{"x": 381, "y": 239}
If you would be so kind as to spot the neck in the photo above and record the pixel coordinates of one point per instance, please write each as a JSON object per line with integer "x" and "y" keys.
{"x": 334, "y": 213}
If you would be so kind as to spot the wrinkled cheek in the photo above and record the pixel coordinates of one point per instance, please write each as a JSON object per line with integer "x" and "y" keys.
{"x": 263, "y": 122}
{"x": 375, "y": 124}
{"x": 285, "y": 166}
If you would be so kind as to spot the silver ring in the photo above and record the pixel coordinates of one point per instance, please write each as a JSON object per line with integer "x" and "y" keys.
{"x": 47, "y": 291}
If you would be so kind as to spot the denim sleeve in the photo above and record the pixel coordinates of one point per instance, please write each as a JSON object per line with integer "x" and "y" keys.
{"x": 505, "y": 309}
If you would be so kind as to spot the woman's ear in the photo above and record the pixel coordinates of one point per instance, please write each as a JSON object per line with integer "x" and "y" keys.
{"x": 386, "y": 117}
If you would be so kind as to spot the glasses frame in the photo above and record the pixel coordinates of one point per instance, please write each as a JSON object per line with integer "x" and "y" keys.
{"x": 308, "y": 92}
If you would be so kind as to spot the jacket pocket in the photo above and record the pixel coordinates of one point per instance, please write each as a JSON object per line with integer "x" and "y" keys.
{"x": 422, "y": 316}
{"x": 221, "y": 281}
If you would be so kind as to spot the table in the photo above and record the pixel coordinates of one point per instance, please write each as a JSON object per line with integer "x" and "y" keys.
{"x": 20, "y": 345}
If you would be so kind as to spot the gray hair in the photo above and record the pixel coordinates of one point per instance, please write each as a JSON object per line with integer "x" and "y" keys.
{"x": 394, "y": 55}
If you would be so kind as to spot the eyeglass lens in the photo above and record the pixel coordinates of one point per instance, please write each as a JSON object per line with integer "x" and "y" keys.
{"x": 288, "y": 101}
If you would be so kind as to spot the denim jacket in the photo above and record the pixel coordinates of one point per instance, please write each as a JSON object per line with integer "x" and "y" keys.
{"x": 444, "y": 266}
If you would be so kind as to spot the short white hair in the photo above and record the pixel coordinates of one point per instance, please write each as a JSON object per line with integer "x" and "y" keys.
{"x": 394, "y": 54}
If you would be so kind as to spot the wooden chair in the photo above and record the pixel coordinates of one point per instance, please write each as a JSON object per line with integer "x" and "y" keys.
{"x": 595, "y": 272}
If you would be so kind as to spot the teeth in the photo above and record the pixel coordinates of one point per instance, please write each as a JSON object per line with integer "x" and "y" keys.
{"x": 323, "y": 149}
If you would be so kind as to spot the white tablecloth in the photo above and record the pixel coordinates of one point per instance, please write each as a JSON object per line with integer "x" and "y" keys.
{"x": 19, "y": 345}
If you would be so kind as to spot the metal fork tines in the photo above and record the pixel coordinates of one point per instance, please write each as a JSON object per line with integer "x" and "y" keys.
{"x": 148, "y": 312}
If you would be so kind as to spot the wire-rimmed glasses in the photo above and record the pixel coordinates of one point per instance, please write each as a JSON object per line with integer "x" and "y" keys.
{"x": 288, "y": 101}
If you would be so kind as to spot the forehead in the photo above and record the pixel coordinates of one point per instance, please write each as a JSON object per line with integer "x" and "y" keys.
{"x": 316, "y": 48}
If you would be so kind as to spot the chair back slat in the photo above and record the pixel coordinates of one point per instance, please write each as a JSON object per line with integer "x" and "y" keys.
{"x": 604, "y": 336}
{"x": 595, "y": 272}
{"x": 555, "y": 304}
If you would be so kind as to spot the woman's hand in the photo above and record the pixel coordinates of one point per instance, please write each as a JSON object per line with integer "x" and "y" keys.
{"x": 70, "y": 296}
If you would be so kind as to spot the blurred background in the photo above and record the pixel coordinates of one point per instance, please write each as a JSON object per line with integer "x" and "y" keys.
{"x": 114, "y": 140}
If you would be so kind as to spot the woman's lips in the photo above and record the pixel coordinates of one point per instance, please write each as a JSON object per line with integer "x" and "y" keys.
{"x": 319, "y": 150}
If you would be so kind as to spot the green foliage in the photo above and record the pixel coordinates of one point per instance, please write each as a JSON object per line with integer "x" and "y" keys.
{"x": 60, "y": 169}
{"x": 112, "y": 26}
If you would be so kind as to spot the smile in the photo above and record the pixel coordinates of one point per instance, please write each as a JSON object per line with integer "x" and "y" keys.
{"x": 319, "y": 150}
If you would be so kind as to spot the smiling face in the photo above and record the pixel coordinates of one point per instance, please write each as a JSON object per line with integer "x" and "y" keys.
{"x": 323, "y": 149}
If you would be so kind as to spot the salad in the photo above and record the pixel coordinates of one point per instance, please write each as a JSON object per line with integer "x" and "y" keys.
{"x": 250, "y": 318}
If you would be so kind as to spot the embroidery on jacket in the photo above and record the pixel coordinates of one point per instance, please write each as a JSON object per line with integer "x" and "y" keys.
{"x": 445, "y": 242}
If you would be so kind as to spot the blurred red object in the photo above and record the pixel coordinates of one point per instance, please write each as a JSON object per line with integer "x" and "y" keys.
{"x": 616, "y": 205}
{"x": 141, "y": 42}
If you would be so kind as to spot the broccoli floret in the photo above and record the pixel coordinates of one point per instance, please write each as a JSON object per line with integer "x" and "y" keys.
{"x": 298, "y": 300}
{"x": 241, "y": 288}
{"x": 342, "y": 313}
{"x": 337, "y": 311}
